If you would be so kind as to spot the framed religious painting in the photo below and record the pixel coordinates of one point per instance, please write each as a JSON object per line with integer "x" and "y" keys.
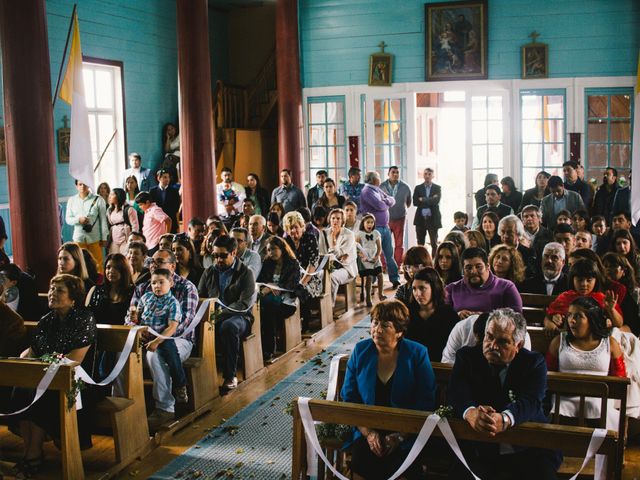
{"x": 64, "y": 140}
{"x": 456, "y": 40}
{"x": 535, "y": 60}
{"x": 380, "y": 68}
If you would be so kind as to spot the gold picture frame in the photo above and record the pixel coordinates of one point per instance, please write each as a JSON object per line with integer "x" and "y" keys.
{"x": 380, "y": 69}
{"x": 64, "y": 140}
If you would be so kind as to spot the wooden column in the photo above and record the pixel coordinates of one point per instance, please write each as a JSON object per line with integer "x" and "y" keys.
{"x": 290, "y": 124}
{"x": 196, "y": 114}
{"x": 28, "y": 124}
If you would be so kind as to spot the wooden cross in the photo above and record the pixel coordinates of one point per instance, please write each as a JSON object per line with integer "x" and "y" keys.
{"x": 382, "y": 46}
{"x": 534, "y": 35}
{"x": 65, "y": 121}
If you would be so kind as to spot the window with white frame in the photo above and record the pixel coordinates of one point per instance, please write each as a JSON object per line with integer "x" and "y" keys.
{"x": 103, "y": 92}
{"x": 327, "y": 140}
{"x": 389, "y": 135}
{"x": 543, "y": 138}
{"x": 487, "y": 143}
{"x": 609, "y": 114}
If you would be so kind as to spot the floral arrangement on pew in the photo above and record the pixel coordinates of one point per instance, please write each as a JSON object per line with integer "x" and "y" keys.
{"x": 77, "y": 385}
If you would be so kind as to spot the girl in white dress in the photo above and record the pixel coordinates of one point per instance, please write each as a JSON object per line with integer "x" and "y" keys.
{"x": 369, "y": 250}
{"x": 587, "y": 348}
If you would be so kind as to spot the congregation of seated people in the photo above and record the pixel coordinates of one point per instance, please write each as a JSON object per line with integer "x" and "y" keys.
{"x": 127, "y": 265}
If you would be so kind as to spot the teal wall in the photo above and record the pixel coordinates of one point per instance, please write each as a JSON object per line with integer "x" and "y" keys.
{"x": 142, "y": 35}
{"x": 585, "y": 37}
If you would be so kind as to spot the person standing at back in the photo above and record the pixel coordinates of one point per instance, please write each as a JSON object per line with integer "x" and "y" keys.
{"x": 290, "y": 196}
{"x": 426, "y": 197}
{"x": 373, "y": 200}
{"x": 401, "y": 193}
{"x": 352, "y": 189}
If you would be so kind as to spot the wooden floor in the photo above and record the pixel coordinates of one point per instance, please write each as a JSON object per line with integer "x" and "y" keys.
{"x": 99, "y": 459}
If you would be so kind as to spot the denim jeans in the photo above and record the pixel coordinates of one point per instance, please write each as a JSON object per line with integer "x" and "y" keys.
{"x": 387, "y": 249}
{"x": 231, "y": 331}
{"x": 169, "y": 353}
{"x": 161, "y": 375}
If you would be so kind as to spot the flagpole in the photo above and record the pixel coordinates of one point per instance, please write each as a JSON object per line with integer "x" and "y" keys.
{"x": 64, "y": 55}
{"x": 105, "y": 150}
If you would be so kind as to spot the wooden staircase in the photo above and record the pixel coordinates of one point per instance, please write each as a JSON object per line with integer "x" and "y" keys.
{"x": 243, "y": 107}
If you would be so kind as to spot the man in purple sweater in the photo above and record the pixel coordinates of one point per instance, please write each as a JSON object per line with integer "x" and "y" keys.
{"x": 480, "y": 290}
{"x": 375, "y": 201}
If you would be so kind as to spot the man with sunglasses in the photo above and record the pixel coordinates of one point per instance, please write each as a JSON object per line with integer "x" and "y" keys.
{"x": 187, "y": 295}
{"x": 479, "y": 290}
{"x": 229, "y": 280}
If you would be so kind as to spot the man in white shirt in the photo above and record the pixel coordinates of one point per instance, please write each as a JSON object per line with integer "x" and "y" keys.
{"x": 250, "y": 258}
{"x": 230, "y": 195}
{"x": 87, "y": 214}
{"x": 145, "y": 178}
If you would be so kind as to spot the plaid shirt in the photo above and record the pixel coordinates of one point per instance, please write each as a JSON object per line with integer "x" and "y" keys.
{"x": 351, "y": 192}
{"x": 159, "y": 311}
{"x": 185, "y": 292}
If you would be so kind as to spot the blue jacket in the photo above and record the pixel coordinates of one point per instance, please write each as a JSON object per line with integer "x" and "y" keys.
{"x": 414, "y": 384}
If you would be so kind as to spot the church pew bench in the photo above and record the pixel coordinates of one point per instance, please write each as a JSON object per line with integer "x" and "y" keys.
{"x": 560, "y": 384}
{"x": 536, "y": 300}
{"x": 291, "y": 330}
{"x": 534, "y": 315}
{"x": 200, "y": 367}
{"x": 350, "y": 296}
{"x": 122, "y": 413}
{"x": 325, "y": 306}
{"x": 572, "y": 441}
{"x": 252, "y": 346}
{"x": 27, "y": 374}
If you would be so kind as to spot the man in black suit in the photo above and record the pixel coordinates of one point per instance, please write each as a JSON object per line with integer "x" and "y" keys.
{"x": 167, "y": 198}
{"x": 495, "y": 386}
{"x": 426, "y": 197}
{"x": 552, "y": 280}
{"x": 492, "y": 195}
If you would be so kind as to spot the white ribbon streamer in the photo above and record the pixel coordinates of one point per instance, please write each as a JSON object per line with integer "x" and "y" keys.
{"x": 219, "y": 302}
{"x": 273, "y": 287}
{"x": 42, "y": 387}
{"x": 597, "y": 437}
{"x": 445, "y": 428}
{"x": 361, "y": 248}
{"x": 333, "y": 376}
{"x": 204, "y": 308}
{"x": 319, "y": 269}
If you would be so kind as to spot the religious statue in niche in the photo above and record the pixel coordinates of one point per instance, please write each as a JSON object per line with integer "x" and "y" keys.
{"x": 535, "y": 58}
{"x": 64, "y": 139}
{"x": 380, "y": 68}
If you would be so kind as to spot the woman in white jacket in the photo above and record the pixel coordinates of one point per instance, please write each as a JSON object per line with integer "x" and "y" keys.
{"x": 340, "y": 242}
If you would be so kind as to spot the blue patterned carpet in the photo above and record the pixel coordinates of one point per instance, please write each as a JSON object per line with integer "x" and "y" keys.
{"x": 256, "y": 442}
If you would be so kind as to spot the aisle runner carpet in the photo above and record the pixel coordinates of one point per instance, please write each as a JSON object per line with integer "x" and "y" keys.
{"x": 256, "y": 442}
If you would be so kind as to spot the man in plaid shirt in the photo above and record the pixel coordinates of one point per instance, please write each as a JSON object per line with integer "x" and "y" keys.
{"x": 187, "y": 294}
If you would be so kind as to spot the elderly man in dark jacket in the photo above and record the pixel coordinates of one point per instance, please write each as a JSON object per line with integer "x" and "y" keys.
{"x": 229, "y": 280}
{"x": 495, "y": 386}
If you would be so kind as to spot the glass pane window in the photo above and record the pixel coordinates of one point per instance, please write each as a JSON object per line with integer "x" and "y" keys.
{"x": 542, "y": 133}
{"x": 609, "y": 116}
{"x": 486, "y": 138}
{"x": 103, "y": 93}
{"x": 389, "y": 135}
{"x": 326, "y": 137}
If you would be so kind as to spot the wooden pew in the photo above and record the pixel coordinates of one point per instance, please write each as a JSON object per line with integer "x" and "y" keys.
{"x": 252, "y": 346}
{"x": 572, "y": 441}
{"x": 325, "y": 305}
{"x": 560, "y": 384}
{"x": 200, "y": 367}
{"x": 122, "y": 414}
{"x": 534, "y": 315}
{"x": 292, "y": 330}
{"x": 27, "y": 374}
{"x": 350, "y": 296}
{"x": 536, "y": 300}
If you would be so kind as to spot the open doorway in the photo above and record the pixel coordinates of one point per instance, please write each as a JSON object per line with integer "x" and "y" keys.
{"x": 440, "y": 144}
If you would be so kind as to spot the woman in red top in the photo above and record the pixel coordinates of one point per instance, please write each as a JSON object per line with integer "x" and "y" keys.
{"x": 586, "y": 280}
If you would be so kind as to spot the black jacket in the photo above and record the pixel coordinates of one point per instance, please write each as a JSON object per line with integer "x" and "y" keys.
{"x": 536, "y": 284}
{"x": 239, "y": 294}
{"x": 170, "y": 205}
{"x": 433, "y": 202}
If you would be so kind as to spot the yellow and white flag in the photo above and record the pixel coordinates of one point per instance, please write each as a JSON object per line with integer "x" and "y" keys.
{"x": 72, "y": 92}
{"x": 635, "y": 152}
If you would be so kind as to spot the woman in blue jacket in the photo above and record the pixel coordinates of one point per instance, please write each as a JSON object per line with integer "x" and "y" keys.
{"x": 388, "y": 371}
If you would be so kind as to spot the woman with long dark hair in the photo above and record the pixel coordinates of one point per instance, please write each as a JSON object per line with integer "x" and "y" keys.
{"x": 280, "y": 270}
{"x": 622, "y": 242}
{"x": 254, "y": 191}
{"x": 431, "y": 318}
{"x": 488, "y": 226}
{"x": 534, "y": 196}
{"x": 447, "y": 263}
{"x": 331, "y": 199}
{"x": 187, "y": 262}
{"x": 415, "y": 259}
{"x": 123, "y": 220}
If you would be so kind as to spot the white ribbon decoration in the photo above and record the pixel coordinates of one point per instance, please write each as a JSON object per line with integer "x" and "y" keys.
{"x": 204, "y": 308}
{"x": 361, "y": 248}
{"x": 333, "y": 376}
{"x": 426, "y": 431}
{"x": 597, "y": 438}
{"x": 273, "y": 287}
{"x": 319, "y": 269}
{"x": 42, "y": 387}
